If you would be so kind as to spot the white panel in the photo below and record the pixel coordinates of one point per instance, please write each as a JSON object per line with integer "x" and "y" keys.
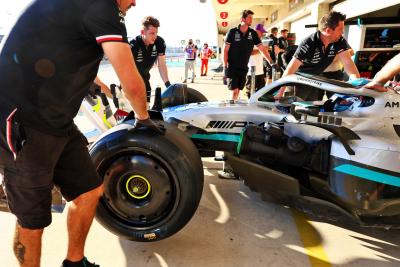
{"x": 297, "y": 27}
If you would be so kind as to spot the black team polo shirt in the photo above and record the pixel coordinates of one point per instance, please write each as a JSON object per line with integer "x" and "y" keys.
{"x": 313, "y": 56}
{"x": 145, "y": 57}
{"x": 51, "y": 57}
{"x": 241, "y": 46}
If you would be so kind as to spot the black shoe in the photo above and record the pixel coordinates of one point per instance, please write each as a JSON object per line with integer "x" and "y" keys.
{"x": 82, "y": 263}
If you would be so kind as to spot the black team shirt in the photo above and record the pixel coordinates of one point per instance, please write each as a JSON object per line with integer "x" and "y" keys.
{"x": 313, "y": 55}
{"x": 145, "y": 57}
{"x": 51, "y": 57}
{"x": 241, "y": 46}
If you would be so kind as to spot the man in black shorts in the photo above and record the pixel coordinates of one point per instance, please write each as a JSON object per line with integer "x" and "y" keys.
{"x": 317, "y": 51}
{"x": 148, "y": 48}
{"x": 239, "y": 44}
{"x": 42, "y": 84}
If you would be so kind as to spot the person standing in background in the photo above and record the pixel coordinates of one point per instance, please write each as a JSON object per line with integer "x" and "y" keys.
{"x": 282, "y": 46}
{"x": 205, "y": 54}
{"x": 239, "y": 44}
{"x": 273, "y": 50}
{"x": 190, "y": 59}
{"x": 256, "y": 61}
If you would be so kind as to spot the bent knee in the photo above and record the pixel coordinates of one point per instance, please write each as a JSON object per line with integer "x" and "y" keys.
{"x": 92, "y": 195}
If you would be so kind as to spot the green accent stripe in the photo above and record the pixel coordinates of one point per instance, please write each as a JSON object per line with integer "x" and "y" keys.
{"x": 369, "y": 174}
{"x": 217, "y": 137}
{"x": 239, "y": 146}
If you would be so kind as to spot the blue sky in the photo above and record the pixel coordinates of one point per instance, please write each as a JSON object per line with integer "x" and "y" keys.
{"x": 180, "y": 19}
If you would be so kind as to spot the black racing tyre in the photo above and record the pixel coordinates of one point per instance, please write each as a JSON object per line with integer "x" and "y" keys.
{"x": 153, "y": 183}
{"x": 179, "y": 94}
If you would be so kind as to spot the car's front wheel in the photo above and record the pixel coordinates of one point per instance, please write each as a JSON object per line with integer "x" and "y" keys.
{"x": 153, "y": 183}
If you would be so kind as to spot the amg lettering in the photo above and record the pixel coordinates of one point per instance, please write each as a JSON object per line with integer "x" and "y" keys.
{"x": 239, "y": 124}
{"x": 227, "y": 124}
{"x": 309, "y": 81}
{"x": 392, "y": 105}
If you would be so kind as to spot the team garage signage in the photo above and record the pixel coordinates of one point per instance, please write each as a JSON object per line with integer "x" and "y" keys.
{"x": 224, "y": 14}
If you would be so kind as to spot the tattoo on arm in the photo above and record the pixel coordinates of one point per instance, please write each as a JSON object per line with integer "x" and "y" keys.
{"x": 19, "y": 248}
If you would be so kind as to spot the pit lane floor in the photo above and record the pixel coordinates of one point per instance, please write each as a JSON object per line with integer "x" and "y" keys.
{"x": 232, "y": 227}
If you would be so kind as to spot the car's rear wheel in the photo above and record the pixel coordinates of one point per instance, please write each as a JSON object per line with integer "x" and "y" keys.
{"x": 179, "y": 94}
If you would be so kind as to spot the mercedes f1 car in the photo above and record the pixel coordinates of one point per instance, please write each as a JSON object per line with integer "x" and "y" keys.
{"x": 337, "y": 158}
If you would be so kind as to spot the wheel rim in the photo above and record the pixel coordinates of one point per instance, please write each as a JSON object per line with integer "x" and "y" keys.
{"x": 138, "y": 186}
{"x": 141, "y": 189}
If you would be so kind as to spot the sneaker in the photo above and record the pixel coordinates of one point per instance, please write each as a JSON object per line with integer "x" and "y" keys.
{"x": 82, "y": 263}
{"x": 184, "y": 81}
{"x": 193, "y": 80}
{"x": 227, "y": 174}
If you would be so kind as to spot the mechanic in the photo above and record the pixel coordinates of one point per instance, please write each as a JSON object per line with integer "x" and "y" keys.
{"x": 147, "y": 48}
{"x": 239, "y": 45}
{"x": 42, "y": 85}
{"x": 282, "y": 46}
{"x": 391, "y": 68}
{"x": 316, "y": 52}
{"x": 273, "y": 51}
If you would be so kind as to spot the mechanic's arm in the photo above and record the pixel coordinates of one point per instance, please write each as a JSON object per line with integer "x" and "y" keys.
{"x": 292, "y": 67}
{"x": 255, "y": 52}
{"x": 120, "y": 56}
{"x": 348, "y": 64}
{"x": 226, "y": 50}
{"x": 276, "y": 50}
{"x": 388, "y": 71}
{"x": 104, "y": 88}
{"x": 162, "y": 68}
{"x": 265, "y": 53}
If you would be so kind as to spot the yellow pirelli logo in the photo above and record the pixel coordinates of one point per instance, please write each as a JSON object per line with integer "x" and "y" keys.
{"x": 150, "y": 236}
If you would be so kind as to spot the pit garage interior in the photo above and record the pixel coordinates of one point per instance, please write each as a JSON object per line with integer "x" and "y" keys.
{"x": 233, "y": 226}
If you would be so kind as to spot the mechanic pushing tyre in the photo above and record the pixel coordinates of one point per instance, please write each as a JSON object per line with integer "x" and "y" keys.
{"x": 153, "y": 183}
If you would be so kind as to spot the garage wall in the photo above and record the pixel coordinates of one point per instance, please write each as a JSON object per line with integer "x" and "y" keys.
{"x": 297, "y": 27}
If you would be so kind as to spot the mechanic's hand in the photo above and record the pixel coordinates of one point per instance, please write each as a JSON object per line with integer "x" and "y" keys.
{"x": 226, "y": 71}
{"x": 280, "y": 93}
{"x": 148, "y": 124}
{"x": 226, "y": 74}
{"x": 376, "y": 86}
{"x": 275, "y": 66}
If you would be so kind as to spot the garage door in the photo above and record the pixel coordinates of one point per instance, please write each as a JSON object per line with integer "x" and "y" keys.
{"x": 297, "y": 27}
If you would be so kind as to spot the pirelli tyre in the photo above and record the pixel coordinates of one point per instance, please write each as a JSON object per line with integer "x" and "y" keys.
{"x": 179, "y": 94}
{"x": 152, "y": 183}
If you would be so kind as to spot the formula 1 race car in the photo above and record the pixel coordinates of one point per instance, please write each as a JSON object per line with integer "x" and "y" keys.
{"x": 336, "y": 158}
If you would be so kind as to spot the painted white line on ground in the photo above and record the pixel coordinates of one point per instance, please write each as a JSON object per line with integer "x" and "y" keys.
{"x": 224, "y": 210}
